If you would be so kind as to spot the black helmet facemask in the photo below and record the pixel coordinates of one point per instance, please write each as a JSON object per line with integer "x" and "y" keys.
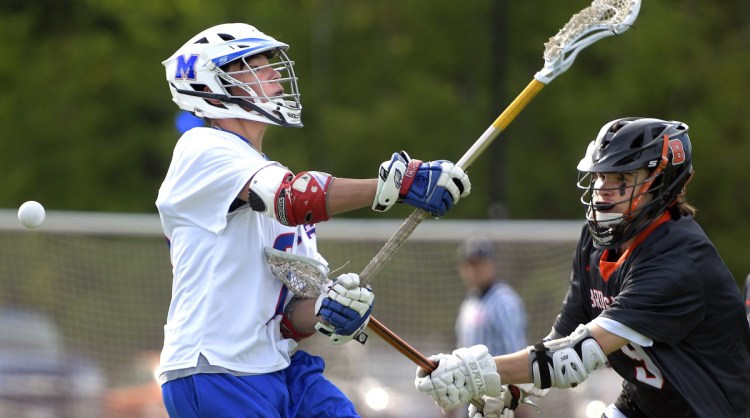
{"x": 625, "y": 146}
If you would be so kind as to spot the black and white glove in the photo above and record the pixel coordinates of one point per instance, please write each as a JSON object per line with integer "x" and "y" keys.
{"x": 434, "y": 186}
{"x": 468, "y": 373}
{"x": 344, "y": 309}
{"x": 566, "y": 362}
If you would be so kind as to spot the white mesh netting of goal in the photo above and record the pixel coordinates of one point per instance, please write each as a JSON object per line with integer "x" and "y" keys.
{"x": 84, "y": 297}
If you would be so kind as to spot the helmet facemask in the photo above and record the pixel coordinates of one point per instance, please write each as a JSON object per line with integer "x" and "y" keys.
{"x": 256, "y": 94}
{"x": 659, "y": 150}
{"x": 610, "y": 229}
{"x": 200, "y": 83}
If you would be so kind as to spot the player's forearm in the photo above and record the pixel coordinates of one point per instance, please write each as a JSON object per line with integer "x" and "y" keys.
{"x": 608, "y": 341}
{"x": 303, "y": 317}
{"x": 345, "y": 194}
{"x": 514, "y": 367}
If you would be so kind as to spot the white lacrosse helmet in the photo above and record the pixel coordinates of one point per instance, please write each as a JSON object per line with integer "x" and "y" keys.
{"x": 198, "y": 64}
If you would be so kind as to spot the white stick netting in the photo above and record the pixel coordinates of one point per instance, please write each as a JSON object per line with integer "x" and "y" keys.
{"x": 601, "y": 13}
{"x": 303, "y": 276}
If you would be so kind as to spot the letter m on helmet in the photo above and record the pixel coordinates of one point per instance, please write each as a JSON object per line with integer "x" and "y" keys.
{"x": 185, "y": 67}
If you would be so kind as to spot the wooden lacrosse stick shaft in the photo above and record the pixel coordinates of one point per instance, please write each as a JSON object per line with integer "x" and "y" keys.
{"x": 407, "y": 350}
{"x": 399, "y": 344}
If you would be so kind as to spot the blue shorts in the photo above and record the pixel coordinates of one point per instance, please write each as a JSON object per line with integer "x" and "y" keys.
{"x": 298, "y": 391}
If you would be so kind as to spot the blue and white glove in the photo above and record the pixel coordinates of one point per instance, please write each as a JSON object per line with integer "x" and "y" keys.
{"x": 434, "y": 186}
{"x": 344, "y": 309}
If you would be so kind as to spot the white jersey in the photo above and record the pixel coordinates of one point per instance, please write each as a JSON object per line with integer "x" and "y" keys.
{"x": 226, "y": 304}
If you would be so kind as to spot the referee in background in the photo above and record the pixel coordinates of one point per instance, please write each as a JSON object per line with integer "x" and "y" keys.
{"x": 492, "y": 313}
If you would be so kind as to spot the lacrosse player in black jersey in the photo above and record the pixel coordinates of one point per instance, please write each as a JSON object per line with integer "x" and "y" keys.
{"x": 649, "y": 295}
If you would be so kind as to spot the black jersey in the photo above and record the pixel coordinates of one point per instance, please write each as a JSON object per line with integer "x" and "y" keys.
{"x": 673, "y": 288}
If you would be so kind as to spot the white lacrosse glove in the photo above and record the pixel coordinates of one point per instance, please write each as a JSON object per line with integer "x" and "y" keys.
{"x": 434, "y": 186}
{"x": 468, "y": 373}
{"x": 528, "y": 389}
{"x": 504, "y": 406}
{"x": 344, "y": 309}
{"x": 566, "y": 362}
{"x": 494, "y": 407}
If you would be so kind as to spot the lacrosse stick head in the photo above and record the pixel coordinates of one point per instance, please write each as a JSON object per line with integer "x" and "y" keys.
{"x": 601, "y": 19}
{"x": 303, "y": 276}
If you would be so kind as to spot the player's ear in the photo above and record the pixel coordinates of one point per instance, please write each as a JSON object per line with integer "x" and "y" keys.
{"x": 214, "y": 102}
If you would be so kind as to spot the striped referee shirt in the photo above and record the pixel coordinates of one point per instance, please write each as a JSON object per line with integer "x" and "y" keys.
{"x": 495, "y": 318}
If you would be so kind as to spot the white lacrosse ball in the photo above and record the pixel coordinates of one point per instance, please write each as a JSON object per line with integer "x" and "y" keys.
{"x": 31, "y": 214}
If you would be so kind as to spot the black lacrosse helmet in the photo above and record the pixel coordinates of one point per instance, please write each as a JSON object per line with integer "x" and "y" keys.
{"x": 625, "y": 145}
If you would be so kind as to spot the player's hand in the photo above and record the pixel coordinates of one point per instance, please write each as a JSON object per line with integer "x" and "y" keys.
{"x": 468, "y": 373}
{"x": 504, "y": 406}
{"x": 493, "y": 407}
{"x": 529, "y": 390}
{"x": 344, "y": 309}
{"x": 569, "y": 360}
{"x": 434, "y": 186}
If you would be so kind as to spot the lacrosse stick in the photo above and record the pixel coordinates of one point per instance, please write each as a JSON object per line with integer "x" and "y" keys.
{"x": 601, "y": 19}
{"x": 306, "y": 278}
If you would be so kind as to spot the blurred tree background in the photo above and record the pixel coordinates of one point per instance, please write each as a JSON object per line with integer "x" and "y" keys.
{"x": 87, "y": 122}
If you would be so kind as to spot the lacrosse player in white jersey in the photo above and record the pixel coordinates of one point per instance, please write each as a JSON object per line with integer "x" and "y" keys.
{"x": 232, "y": 327}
